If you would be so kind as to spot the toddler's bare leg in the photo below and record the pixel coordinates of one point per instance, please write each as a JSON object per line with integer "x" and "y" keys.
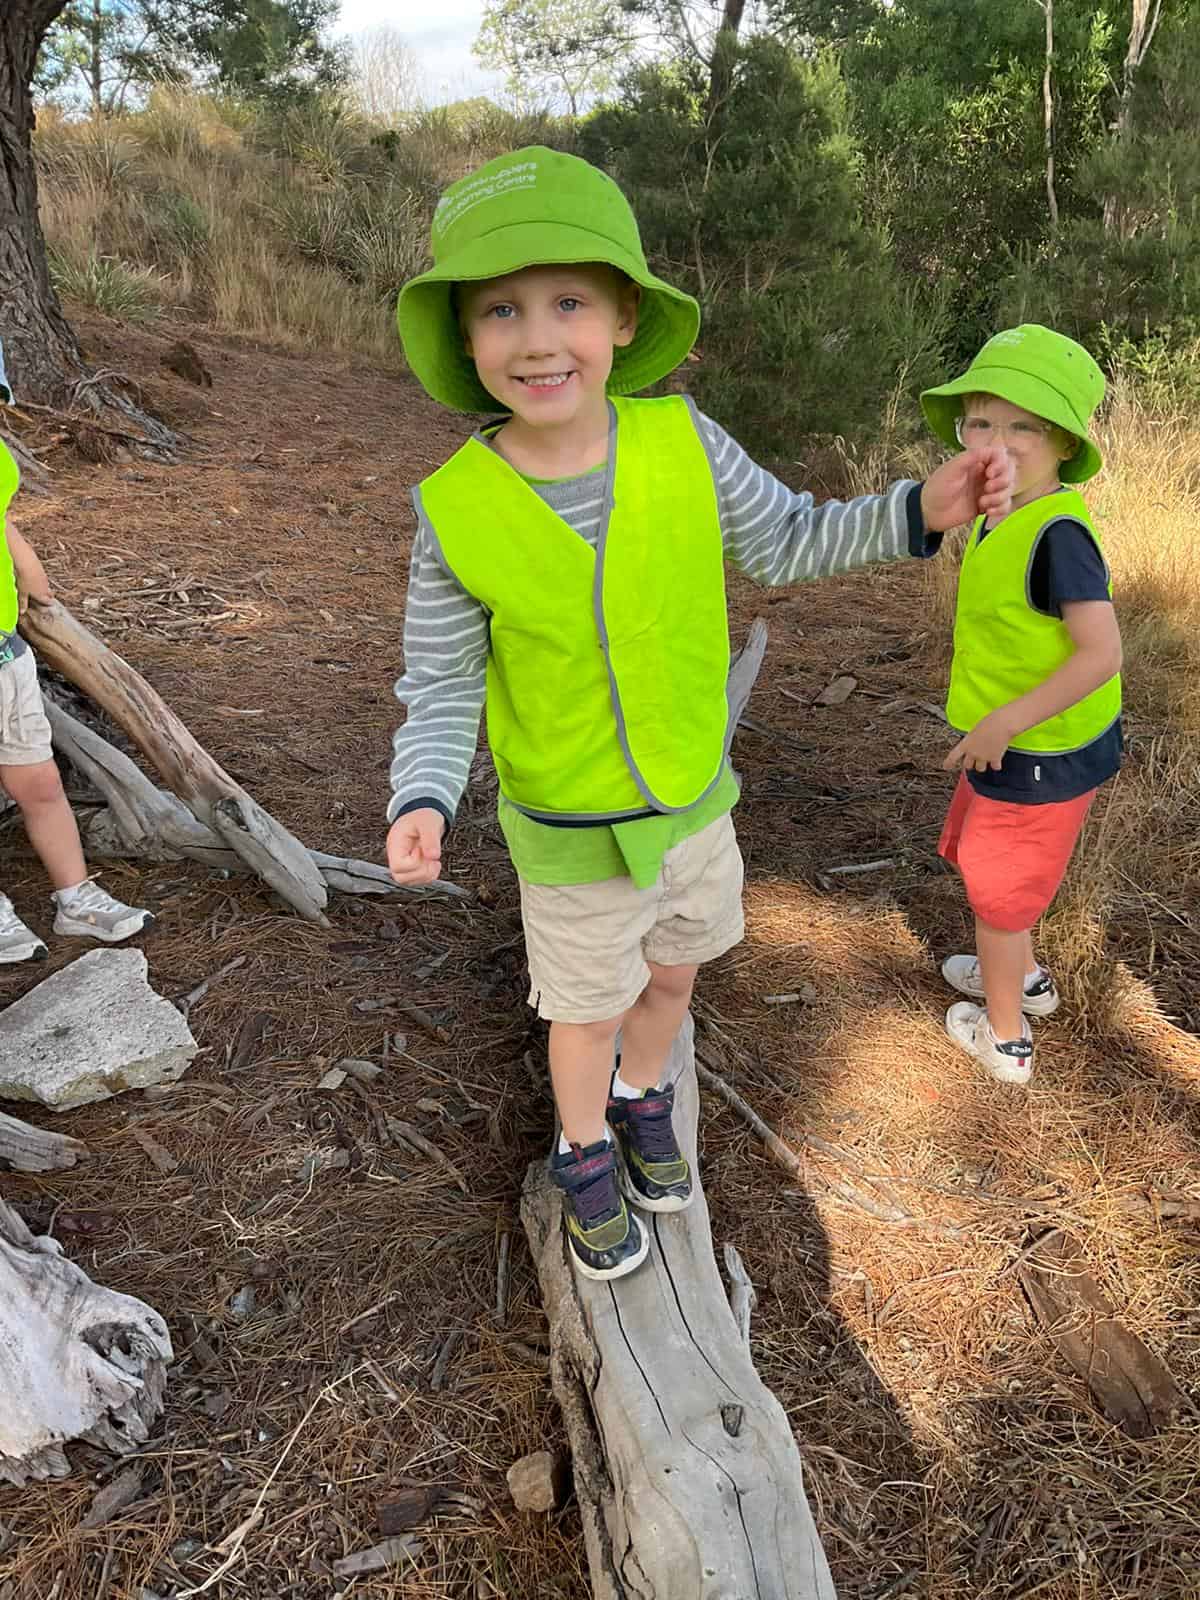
{"x": 652, "y": 1022}
{"x": 1004, "y": 959}
{"x": 49, "y": 820}
{"x": 581, "y": 1064}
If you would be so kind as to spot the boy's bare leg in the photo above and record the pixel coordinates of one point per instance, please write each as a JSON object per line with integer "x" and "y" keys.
{"x": 1031, "y": 960}
{"x": 49, "y": 820}
{"x": 581, "y": 1064}
{"x": 651, "y": 1023}
{"x": 1004, "y": 959}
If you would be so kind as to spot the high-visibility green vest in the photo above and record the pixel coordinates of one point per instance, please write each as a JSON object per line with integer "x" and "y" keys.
{"x": 606, "y": 667}
{"x": 9, "y": 479}
{"x": 1003, "y": 648}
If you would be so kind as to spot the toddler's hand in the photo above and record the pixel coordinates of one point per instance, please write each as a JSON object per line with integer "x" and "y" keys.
{"x": 414, "y": 846}
{"x": 983, "y": 748}
{"x": 975, "y": 483}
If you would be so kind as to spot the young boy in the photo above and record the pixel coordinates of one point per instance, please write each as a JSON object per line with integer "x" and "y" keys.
{"x": 568, "y": 567}
{"x": 1035, "y": 683}
{"x": 27, "y": 768}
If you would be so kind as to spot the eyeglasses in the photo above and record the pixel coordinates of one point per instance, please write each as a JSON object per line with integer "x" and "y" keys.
{"x": 979, "y": 431}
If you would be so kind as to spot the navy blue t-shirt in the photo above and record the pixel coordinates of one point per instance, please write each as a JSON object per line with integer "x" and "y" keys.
{"x": 1067, "y": 565}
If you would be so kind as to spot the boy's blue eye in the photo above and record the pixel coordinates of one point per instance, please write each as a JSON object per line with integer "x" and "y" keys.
{"x": 568, "y": 303}
{"x": 502, "y": 313}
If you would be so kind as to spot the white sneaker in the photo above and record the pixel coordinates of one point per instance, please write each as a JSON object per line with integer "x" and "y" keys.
{"x": 1007, "y": 1060}
{"x": 1040, "y": 998}
{"x": 17, "y": 942}
{"x": 92, "y": 913}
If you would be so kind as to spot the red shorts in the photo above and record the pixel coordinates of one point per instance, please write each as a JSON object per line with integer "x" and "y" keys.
{"x": 1012, "y": 857}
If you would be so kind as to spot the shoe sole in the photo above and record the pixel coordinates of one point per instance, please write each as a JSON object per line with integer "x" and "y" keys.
{"x": 67, "y": 929}
{"x": 597, "y": 1275}
{"x": 35, "y": 951}
{"x": 669, "y": 1203}
{"x": 1031, "y": 1005}
{"x": 664, "y": 1207}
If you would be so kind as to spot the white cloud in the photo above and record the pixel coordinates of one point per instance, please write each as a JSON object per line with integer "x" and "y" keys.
{"x": 441, "y": 36}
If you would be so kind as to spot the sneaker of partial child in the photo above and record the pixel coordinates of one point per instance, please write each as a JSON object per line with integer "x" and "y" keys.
{"x": 1007, "y": 1060}
{"x": 85, "y": 911}
{"x": 638, "y": 1164}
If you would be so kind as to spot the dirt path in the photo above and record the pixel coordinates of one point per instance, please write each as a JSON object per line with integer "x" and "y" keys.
{"x": 949, "y": 1452}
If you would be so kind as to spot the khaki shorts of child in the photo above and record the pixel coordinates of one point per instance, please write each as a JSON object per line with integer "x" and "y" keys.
{"x": 589, "y": 943}
{"x": 24, "y": 731}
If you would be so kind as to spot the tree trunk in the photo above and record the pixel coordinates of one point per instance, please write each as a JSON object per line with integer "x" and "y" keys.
{"x": 96, "y": 61}
{"x": 44, "y": 361}
{"x": 1048, "y": 113}
{"x": 723, "y": 57}
{"x": 1143, "y": 24}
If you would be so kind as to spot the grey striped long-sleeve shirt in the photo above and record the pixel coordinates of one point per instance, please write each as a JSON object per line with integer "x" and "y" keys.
{"x": 770, "y": 533}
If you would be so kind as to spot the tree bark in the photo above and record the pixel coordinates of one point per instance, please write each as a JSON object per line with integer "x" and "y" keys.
{"x": 42, "y": 354}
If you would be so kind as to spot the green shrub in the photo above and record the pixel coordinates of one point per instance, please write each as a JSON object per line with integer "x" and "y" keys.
{"x": 110, "y": 286}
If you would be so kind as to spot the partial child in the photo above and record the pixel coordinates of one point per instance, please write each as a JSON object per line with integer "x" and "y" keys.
{"x": 568, "y": 570}
{"x": 1035, "y": 684}
{"x": 27, "y": 768}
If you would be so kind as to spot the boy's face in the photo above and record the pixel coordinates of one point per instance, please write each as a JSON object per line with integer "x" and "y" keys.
{"x": 1036, "y": 448}
{"x": 542, "y": 339}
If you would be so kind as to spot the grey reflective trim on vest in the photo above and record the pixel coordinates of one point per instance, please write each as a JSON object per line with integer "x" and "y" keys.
{"x": 1021, "y": 750}
{"x": 635, "y": 773}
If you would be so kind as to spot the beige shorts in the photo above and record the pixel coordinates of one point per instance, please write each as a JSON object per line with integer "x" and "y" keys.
{"x": 24, "y": 731}
{"x": 588, "y": 943}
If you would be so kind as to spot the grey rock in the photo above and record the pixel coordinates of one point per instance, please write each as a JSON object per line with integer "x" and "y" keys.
{"x": 90, "y": 1031}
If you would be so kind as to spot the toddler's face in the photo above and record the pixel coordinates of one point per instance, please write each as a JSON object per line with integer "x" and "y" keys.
{"x": 542, "y": 339}
{"x": 1035, "y": 447}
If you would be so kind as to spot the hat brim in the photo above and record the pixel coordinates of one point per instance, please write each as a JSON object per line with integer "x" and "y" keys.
{"x": 943, "y": 407}
{"x": 668, "y": 319}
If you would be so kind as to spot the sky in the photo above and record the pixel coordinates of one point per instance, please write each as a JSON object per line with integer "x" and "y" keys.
{"x": 440, "y": 35}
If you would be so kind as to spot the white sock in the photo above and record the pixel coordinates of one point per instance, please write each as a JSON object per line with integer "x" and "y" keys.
{"x": 65, "y": 896}
{"x": 1032, "y": 977}
{"x": 623, "y": 1090}
{"x": 994, "y": 1037}
{"x": 565, "y": 1147}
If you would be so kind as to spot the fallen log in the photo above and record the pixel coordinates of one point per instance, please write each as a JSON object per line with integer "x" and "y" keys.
{"x": 77, "y": 1361}
{"x": 27, "y": 1149}
{"x": 144, "y": 821}
{"x": 210, "y": 794}
{"x": 688, "y": 1478}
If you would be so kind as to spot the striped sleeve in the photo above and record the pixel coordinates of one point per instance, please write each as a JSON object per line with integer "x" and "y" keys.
{"x": 443, "y": 686}
{"x": 777, "y": 536}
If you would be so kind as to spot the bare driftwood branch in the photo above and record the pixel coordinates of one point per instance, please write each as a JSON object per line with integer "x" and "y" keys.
{"x": 144, "y": 821}
{"x": 27, "y": 1149}
{"x": 207, "y": 790}
{"x": 76, "y": 1361}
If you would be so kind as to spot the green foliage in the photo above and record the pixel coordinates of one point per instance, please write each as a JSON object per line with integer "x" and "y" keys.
{"x": 807, "y": 322}
{"x": 554, "y": 53}
{"x": 112, "y": 287}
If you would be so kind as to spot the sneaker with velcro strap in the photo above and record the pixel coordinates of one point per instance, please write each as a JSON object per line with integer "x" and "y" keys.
{"x": 605, "y": 1238}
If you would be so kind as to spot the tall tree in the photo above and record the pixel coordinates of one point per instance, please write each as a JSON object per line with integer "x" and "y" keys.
{"x": 556, "y": 53}
{"x": 43, "y": 356}
{"x": 104, "y": 48}
{"x": 385, "y": 79}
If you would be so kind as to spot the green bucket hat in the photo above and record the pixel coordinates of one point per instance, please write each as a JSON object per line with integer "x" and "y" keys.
{"x": 535, "y": 207}
{"x": 1039, "y": 370}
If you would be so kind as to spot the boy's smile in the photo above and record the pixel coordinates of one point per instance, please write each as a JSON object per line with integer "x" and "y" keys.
{"x": 1036, "y": 448}
{"x": 542, "y": 341}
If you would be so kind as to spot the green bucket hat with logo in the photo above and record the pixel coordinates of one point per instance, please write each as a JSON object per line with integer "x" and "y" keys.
{"x": 535, "y": 207}
{"x": 1040, "y": 371}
